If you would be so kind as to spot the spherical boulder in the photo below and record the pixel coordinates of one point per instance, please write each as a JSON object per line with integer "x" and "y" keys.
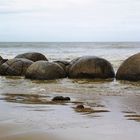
{"x": 15, "y": 67}
{"x": 33, "y": 56}
{"x": 90, "y": 67}
{"x": 43, "y": 70}
{"x": 130, "y": 69}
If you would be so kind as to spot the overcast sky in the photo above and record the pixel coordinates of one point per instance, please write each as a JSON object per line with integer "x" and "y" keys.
{"x": 69, "y": 20}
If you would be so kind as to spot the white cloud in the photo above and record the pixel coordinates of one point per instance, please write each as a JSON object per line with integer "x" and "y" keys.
{"x": 64, "y": 20}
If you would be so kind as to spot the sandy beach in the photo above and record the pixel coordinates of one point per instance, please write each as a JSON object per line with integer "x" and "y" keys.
{"x": 36, "y": 121}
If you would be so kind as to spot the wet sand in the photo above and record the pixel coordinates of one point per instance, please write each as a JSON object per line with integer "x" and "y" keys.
{"x": 35, "y": 121}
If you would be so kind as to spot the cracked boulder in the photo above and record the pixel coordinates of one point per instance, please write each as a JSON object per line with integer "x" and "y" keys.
{"x": 33, "y": 56}
{"x": 15, "y": 67}
{"x": 2, "y": 60}
{"x": 90, "y": 67}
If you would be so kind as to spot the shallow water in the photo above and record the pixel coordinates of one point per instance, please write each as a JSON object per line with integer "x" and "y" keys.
{"x": 27, "y": 109}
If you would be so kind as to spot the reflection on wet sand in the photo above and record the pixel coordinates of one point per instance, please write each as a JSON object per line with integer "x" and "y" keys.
{"x": 133, "y": 116}
{"x": 43, "y": 99}
{"x": 25, "y": 98}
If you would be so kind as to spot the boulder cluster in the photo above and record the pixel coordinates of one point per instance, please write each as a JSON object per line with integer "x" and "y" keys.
{"x": 36, "y": 66}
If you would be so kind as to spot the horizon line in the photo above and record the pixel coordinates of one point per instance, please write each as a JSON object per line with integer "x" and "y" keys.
{"x": 69, "y": 41}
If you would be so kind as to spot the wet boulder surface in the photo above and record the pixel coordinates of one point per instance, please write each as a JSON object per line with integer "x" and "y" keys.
{"x": 130, "y": 69}
{"x": 33, "y": 56}
{"x": 43, "y": 70}
{"x": 2, "y": 60}
{"x": 90, "y": 67}
{"x": 63, "y": 64}
{"x": 15, "y": 67}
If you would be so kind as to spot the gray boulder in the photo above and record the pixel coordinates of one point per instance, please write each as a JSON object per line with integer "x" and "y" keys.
{"x": 43, "y": 70}
{"x": 90, "y": 67}
{"x": 15, "y": 67}
{"x": 33, "y": 56}
{"x": 130, "y": 69}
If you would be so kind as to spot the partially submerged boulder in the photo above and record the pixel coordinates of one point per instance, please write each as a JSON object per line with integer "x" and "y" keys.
{"x": 15, "y": 67}
{"x": 43, "y": 70}
{"x": 90, "y": 67}
{"x": 130, "y": 69}
{"x": 33, "y": 56}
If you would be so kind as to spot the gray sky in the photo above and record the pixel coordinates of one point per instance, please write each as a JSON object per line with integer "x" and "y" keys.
{"x": 69, "y": 20}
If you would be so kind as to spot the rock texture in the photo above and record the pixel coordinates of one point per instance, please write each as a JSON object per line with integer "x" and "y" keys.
{"x": 15, "y": 67}
{"x": 33, "y": 56}
{"x": 1, "y": 58}
{"x": 130, "y": 69}
{"x": 63, "y": 64}
{"x": 3, "y": 61}
{"x": 43, "y": 70}
{"x": 90, "y": 67}
{"x": 61, "y": 98}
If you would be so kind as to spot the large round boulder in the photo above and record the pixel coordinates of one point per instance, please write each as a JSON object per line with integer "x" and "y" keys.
{"x": 90, "y": 67}
{"x": 33, "y": 56}
{"x": 15, "y": 67}
{"x": 43, "y": 70}
{"x": 130, "y": 69}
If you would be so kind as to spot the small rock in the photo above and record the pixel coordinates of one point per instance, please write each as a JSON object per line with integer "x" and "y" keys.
{"x": 80, "y": 107}
{"x": 67, "y": 98}
{"x": 61, "y": 98}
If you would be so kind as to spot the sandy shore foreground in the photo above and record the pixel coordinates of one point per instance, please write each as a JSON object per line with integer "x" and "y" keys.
{"x": 35, "y": 122}
{"x": 9, "y": 131}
